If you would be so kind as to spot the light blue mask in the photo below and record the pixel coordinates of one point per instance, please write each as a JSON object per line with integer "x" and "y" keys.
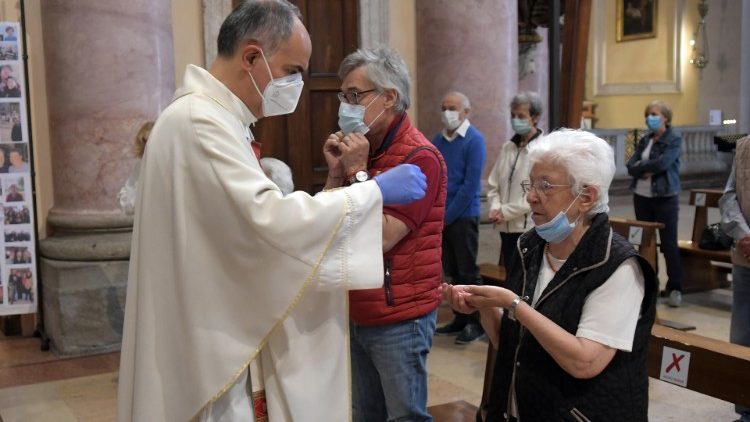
{"x": 520, "y": 126}
{"x": 352, "y": 117}
{"x": 559, "y": 228}
{"x": 653, "y": 122}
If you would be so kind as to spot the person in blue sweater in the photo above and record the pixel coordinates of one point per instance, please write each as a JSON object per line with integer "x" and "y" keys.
{"x": 463, "y": 149}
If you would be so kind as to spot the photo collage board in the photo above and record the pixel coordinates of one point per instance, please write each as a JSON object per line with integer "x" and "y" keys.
{"x": 18, "y": 278}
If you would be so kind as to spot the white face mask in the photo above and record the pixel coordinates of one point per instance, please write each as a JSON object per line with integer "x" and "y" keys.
{"x": 280, "y": 95}
{"x": 450, "y": 119}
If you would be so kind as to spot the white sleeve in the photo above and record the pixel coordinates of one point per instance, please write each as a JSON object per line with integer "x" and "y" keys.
{"x": 611, "y": 311}
{"x": 355, "y": 257}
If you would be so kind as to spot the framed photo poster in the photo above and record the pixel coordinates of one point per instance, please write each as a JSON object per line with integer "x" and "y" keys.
{"x": 636, "y": 19}
{"x": 18, "y": 271}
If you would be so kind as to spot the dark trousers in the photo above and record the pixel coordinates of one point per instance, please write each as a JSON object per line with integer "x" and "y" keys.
{"x": 508, "y": 250}
{"x": 460, "y": 246}
{"x": 664, "y": 210}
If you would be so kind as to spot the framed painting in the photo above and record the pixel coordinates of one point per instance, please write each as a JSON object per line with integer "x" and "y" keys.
{"x": 636, "y": 19}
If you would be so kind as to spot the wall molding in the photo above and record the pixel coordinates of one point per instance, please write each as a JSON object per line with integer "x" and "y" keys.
{"x": 214, "y": 13}
{"x": 374, "y": 24}
{"x": 604, "y": 87}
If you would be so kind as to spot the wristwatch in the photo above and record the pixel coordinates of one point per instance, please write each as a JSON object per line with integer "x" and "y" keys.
{"x": 360, "y": 176}
{"x": 512, "y": 307}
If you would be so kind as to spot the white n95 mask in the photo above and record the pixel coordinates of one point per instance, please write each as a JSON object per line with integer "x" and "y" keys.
{"x": 281, "y": 95}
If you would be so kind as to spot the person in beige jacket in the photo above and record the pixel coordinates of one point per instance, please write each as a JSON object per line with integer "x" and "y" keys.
{"x": 509, "y": 210}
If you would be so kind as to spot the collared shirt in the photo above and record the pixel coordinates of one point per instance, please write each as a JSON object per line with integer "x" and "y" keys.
{"x": 460, "y": 131}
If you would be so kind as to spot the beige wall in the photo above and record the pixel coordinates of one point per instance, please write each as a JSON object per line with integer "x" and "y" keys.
{"x": 38, "y": 113}
{"x": 634, "y": 61}
{"x": 403, "y": 38}
{"x": 187, "y": 33}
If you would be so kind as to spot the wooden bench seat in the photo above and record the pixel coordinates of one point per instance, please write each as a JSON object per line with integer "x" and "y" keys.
{"x": 455, "y": 411}
{"x": 698, "y": 272}
{"x": 717, "y": 368}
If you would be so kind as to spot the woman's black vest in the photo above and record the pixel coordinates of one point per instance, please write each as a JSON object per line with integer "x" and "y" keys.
{"x": 544, "y": 391}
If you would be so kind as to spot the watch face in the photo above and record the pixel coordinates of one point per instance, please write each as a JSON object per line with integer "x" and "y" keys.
{"x": 361, "y": 176}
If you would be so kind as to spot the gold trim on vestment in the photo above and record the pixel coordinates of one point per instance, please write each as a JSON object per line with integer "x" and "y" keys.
{"x": 286, "y": 313}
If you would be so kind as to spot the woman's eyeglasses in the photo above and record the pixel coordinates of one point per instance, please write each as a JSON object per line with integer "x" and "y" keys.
{"x": 542, "y": 187}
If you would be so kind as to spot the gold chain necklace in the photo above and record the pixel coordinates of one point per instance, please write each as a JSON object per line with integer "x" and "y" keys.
{"x": 549, "y": 260}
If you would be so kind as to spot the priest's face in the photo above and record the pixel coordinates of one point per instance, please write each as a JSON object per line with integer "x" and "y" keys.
{"x": 292, "y": 56}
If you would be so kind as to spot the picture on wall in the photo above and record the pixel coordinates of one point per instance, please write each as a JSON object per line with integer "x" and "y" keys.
{"x": 636, "y": 19}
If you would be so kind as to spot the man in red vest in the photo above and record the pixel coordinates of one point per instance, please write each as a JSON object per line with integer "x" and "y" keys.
{"x": 391, "y": 327}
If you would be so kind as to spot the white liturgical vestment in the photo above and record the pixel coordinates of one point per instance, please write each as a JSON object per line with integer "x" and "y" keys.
{"x": 225, "y": 271}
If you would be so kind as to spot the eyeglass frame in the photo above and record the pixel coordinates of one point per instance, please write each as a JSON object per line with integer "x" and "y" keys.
{"x": 526, "y": 187}
{"x": 343, "y": 96}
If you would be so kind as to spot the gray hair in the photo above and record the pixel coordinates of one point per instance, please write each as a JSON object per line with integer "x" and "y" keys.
{"x": 385, "y": 68}
{"x": 588, "y": 160}
{"x": 465, "y": 104}
{"x": 268, "y": 22}
{"x": 528, "y": 97}
{"x": 664, "y": 109}
{"x": 279, "y": 173}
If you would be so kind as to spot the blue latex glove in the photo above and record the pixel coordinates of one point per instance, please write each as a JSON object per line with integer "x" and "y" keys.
{"x": 402, "y": 184}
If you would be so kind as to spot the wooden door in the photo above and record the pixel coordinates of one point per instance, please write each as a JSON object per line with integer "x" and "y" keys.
{"x": 297, "y": 139}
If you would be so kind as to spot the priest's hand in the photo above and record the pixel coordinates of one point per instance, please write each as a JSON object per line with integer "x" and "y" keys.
{"x": 402, "y": 184}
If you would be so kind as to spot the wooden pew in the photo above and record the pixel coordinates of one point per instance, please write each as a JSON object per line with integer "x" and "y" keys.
{"x": 699, "y": 273}
{"x": 642, "y": 234}
{"x": 716, "y": 368}
{"x": 455, "y": 411}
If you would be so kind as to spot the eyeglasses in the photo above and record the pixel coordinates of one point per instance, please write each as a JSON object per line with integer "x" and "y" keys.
{"x": 352, "y": 97}
{"x": 542, "y": 188}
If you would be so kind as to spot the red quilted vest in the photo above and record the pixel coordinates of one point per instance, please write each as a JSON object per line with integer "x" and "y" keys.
{"x": 411, "y": 286}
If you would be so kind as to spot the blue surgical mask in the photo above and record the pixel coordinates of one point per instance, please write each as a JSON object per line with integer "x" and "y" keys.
{"x": 352, "y": 117}
{"x": 653, "y": 122}
{"x": 520, "y": 126}
{"x": 559, "y": 228}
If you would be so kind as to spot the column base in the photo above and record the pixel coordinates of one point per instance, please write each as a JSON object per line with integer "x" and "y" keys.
{"x": 84, "y": 276}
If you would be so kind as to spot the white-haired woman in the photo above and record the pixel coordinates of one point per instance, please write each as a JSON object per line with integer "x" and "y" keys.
{"x": 572, "y": 325}
{"x": 509, "y": 210}
{"x": 279, "y": 173}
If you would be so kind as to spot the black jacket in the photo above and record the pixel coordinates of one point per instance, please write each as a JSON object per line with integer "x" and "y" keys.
{"x": 544, "y": 391}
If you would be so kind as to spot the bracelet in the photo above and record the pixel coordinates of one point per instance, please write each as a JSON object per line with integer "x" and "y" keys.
{"x": 513, "y": 305}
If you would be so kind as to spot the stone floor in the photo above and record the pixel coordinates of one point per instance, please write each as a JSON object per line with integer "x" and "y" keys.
{"x": 37, "y": 386}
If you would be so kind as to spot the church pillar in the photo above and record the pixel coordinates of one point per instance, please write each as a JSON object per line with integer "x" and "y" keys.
{"x": 109, "y": 68}
{"x": 536, "y": 77}
{"x": 471, "y": 47}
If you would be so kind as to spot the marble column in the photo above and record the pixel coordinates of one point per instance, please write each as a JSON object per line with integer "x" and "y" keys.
{"x": 538, "y": 80}
{"x": 109, "y": 68}
{"x": 472, "y": 47}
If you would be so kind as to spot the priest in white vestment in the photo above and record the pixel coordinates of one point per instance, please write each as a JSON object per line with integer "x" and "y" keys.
{"x": 225, "y": 271}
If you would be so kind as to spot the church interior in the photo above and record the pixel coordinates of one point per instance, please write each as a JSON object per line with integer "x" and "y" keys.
{"x": 91, "y": 73}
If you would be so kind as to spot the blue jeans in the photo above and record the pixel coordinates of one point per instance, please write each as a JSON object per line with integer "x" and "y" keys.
{"x": 664, "y": 209}
{"x": 739, "y": 330}
{"x": 389, "y": 370}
